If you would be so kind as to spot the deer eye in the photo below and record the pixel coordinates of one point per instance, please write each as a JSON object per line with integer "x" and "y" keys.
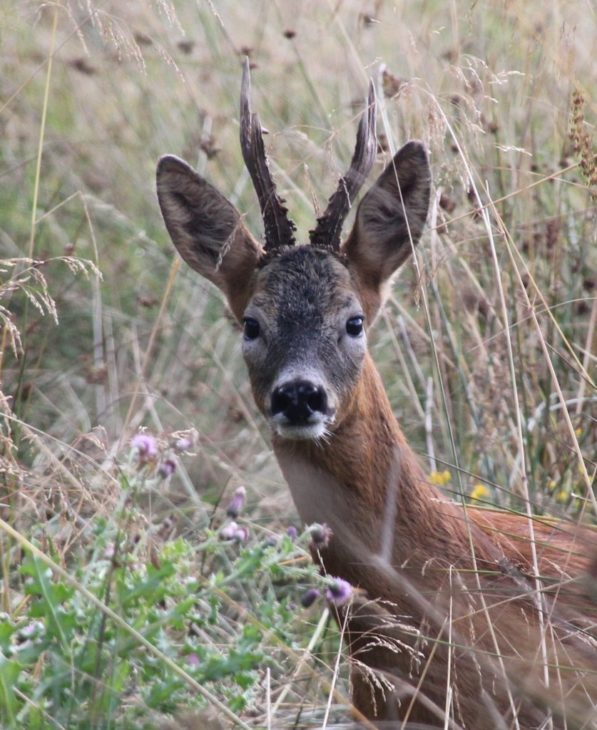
{"x": 354, "y": 326}
{"x": 250, "y": 328}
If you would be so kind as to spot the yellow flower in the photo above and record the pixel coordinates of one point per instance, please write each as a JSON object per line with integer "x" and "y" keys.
{"x": 561, "y": 496}
{"x": 439, "y": 478}
{"x": 578, "y": 431}
{"x": 479, "y": 492}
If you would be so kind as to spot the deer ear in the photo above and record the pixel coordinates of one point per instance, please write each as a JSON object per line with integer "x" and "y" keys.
{"x": 391, "y": 217}
{"x": 207, "y": 230}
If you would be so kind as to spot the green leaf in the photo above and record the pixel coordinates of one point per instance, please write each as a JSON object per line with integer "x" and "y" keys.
{"x": 9, "y": 673}
{"x": 51, "y": 595}
{"x": 7, "y": 629}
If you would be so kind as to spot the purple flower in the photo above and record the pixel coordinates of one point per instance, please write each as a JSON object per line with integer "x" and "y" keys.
{"x": 146, "y": 446}
{"x": 31, "y": 630}
{"x": 338, "y": 591}
{"x": 320, "y": 535}
{"x": 242, "y": 534}
{"x": 183, "y": 444}
{"x": 237, "y": 503}
{"x": 233, "y": 531}
{"x": 193, "y": 661}
{"x": 292, "y": 532}
{"x": 167, "y": 468}
{"x": 228, "y": 532}
{"x": 309, "y": 597}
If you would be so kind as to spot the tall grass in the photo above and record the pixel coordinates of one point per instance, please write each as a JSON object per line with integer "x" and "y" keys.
{"x": 486, "y": 345}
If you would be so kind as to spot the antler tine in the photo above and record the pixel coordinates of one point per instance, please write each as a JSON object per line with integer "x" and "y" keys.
{"x": 329, "y": 225}
{"x": 279, "y": 229}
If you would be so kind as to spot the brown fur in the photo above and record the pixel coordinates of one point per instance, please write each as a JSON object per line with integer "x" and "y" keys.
{"x": 431, "y": 537}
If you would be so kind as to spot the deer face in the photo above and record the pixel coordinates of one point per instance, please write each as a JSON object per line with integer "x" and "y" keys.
{"x": 304, "y": 309}
{"x": 303, "y": 340}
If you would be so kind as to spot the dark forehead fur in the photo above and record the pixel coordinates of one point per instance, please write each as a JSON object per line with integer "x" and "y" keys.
{"x": 303, "y": 282}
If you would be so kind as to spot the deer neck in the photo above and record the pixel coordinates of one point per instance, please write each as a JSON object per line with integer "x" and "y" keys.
{"x": 364, "y": 481}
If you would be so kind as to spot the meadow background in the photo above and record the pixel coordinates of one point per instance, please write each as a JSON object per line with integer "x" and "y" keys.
{"x": 122, "y": 606}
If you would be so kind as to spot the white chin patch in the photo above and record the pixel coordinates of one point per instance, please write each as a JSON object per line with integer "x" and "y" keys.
{"x": 300, "y": 433}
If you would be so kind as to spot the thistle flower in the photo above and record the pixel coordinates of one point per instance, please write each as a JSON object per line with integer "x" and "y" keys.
{"x": 31, "y": 630}
{"x": 167, "y": 468}
{"x": 338, "y": 592}
{"x": 309, "y": 597}
{"x": 237, "y": 503}
{"x": 228, "y": 532}
{"x": 292, "y": 532}
{"x": 320, "y": 535}
{"x": 146, "y": 446}
{"x": 242, "y": 534}
{"x": 233, "y": 531}
{"x": 193, "y": 661}
{"x": 183, "y": 444}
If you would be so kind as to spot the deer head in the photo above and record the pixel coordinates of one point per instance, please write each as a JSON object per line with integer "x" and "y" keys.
{"x": 305, "y": 310}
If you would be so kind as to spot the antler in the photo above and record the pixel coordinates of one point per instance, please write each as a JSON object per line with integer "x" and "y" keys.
{"x": 329, "y": 226}
{"x": 279, "y": 229}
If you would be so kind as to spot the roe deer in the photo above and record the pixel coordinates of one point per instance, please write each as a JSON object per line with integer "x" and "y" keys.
{"x": 450, "y": 626}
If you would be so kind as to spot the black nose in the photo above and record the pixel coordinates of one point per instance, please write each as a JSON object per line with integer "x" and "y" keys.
{"x": 298, "y": 400}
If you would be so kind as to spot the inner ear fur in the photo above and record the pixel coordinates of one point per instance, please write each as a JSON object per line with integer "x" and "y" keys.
{"x": 390, "y": 218}
{"x": 207, "y": 230}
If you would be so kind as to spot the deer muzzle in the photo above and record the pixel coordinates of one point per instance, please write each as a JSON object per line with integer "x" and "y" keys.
{"x": 299, "y": 409}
